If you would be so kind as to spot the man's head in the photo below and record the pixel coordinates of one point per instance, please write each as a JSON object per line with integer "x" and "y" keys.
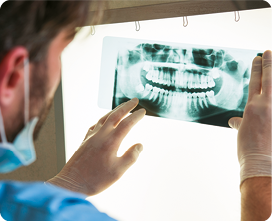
{"x": 38, "y": 31}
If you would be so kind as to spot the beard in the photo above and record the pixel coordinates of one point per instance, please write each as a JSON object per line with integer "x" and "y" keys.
{"x": 39, "y": 102}
{"x": 43, "y": 115}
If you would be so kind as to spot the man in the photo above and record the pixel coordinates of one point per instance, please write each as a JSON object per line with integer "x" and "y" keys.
{"x": 38, "y": 31}
{"x": 254, "y": 143}
{"x": 32, "y": 37}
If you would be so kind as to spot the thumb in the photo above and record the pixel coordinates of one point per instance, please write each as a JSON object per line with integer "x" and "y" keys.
{"x": 130, "y": 157}
{"x": 235, "y": 122}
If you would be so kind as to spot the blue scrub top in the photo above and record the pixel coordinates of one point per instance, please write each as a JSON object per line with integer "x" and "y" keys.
{"x": 40, "y": 202}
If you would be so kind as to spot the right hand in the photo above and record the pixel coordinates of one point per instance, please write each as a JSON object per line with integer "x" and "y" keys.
{"x": 95, "y": 166}
{"x": 254, "y": 129}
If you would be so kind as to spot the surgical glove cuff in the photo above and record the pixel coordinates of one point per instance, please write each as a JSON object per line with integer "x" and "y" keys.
{"x": 68, "y": 181}
{"x": 255, "y": 165}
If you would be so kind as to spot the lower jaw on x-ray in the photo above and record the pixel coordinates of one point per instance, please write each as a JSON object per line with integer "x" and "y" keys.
{"x": 189, "y": 83}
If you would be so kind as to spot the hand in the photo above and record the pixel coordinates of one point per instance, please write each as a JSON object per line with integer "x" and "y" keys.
{"x": 254, "y": 130}
{"x": 95, "y": 166}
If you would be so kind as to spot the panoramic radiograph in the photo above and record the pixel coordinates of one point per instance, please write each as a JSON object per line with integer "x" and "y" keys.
{"x": 190, "y": 83}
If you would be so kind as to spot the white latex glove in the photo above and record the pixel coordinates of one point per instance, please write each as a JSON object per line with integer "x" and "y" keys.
{"x": 254, "y": 129}
{"x": 95, "y": 166}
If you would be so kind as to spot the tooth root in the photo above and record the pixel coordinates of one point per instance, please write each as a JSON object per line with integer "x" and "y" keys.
{"x": 147, "y": 90}
{"x": 165, "y": 78}
{"x": 203, "y": 81}
{"x": 177, "y": 77}
{"x": 190, "y": 81}
{"x": 170, "y": 97}
{"x": 154, "y": 94}
{"x": 174, "y": 98}
{"x": 161, "y": 95}
{"x": 156, "y": 76}
{"x": 177, "y": 80}
{"x": 160, "y": 80}
{"x": 177, "y": 99}
{"x": 200, "y": 98}
{"x": 189, "y": 84}
{"x": 203, "y": 99}
{"x": 168, "y": 79}
{"x": 165, "y": 96}
{"x": 184, "y": 100}
{"x": 198, "y": 81}
{"x": 185, "y": 79}
{"x": 205, "y": 102}
{"x": 181, "y": 79}
{"x": 189, "y": 98}
{"x": 195, "y": 100}
{"x": 205, "y": 84}
{"x": 173, "y": 77}
{"x": 192, "y": 85}
{"x": 140, "y": 88}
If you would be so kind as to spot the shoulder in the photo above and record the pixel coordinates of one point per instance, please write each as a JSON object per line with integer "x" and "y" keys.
{"x": 38, "y": 201}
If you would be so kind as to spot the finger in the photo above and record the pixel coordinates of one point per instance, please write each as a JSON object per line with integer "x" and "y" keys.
{"x": 129, "y": 157}
{"x": 101, "y": 121}
{"x": 89, "y": 131}
{"x": 117, "y": 115}
{"x": 266, "y": 76}
{"x": 256, "y": 78}
{"x": 104, "y": 118}
{"x": 235, "y": 122}
{"x": 126, "y": 125}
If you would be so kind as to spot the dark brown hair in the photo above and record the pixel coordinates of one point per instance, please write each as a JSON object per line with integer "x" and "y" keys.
{"x": 34, "y": 24}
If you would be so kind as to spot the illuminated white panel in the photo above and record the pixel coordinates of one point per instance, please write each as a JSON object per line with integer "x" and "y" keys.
{"x": 187, "y": 171}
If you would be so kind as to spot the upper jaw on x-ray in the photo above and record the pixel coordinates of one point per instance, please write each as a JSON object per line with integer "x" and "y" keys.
{"x": 185, "y": 84}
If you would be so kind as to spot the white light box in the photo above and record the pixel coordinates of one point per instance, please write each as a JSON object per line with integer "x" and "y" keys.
{"x": 187, "y": 170}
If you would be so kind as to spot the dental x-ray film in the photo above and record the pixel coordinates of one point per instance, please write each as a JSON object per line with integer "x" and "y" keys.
{"x": 195, "y": 83}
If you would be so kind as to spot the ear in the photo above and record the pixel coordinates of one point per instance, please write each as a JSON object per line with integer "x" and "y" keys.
{"x": 12, "y": 75}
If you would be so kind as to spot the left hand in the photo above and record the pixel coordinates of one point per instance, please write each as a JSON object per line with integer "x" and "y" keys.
{"x": 95, "y": 166}
{"x": 254, "y": 129}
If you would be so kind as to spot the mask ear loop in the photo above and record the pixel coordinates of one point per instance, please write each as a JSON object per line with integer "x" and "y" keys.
{"x": 2, "y": 129}
{"x": 26, "y": 85}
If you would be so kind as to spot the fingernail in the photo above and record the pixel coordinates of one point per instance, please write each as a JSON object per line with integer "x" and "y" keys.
{"x": 135, "y": 99}
{"x": 231, "y": 122}
{"x": 142, "y": 110}
{"x": 139, "y": 148}
{"x": 267, "y": 55}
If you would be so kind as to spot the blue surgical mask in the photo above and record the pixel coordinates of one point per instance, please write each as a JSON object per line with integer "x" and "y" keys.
{"x": 21, "y": 152}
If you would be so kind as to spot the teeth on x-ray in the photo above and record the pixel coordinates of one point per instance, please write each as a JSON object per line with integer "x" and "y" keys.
{"x": 179, "y": 99}
{"x": 181, "y": 83}
{"x": 179, "y": 78}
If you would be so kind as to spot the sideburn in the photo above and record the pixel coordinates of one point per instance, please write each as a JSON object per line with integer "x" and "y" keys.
{"x": 39, "y": 103}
